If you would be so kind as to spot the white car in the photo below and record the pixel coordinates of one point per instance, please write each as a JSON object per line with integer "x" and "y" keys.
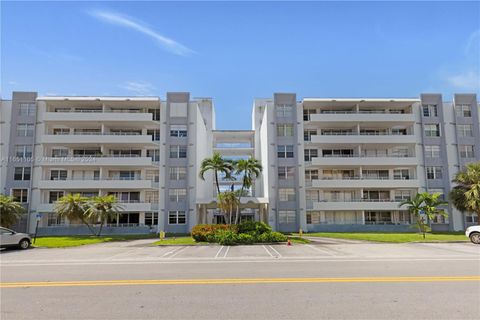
{"x": 10, "y": 238}
{"x": 473, "y": 233}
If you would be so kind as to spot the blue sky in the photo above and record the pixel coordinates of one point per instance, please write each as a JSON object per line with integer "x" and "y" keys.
{"x": 235, "y": 52}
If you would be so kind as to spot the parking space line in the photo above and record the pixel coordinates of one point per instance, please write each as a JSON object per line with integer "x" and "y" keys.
{"x": 226, "y": 252}
{"x": 173, "y": 251}
{"x": 274, "y": 250}
{"x": 271, "y": 255}
{"x": 218, "y": 252}
{"x": 319, "y": 250}
{"x": 177, "y": 252}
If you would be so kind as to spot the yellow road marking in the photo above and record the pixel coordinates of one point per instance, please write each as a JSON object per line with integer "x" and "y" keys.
{"x": 231, "y": 281}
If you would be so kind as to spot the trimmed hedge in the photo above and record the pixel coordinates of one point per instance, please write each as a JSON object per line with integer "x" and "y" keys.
{"x": 248, "y": 232}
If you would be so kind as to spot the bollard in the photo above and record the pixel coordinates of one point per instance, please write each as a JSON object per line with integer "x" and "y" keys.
{"x": 300, "y": 232}
{"x": 162, "y": 235}
{"x": 289, "y": 243}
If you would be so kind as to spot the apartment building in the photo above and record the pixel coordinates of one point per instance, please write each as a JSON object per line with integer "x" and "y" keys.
{"x": 329, "y": 164}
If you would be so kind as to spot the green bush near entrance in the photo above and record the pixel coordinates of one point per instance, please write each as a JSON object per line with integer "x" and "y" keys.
{"x": 247, "y": 232}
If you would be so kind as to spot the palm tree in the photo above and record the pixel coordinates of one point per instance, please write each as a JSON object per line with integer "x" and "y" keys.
{"x": 425, "y": 203}
{"x": 466, "y": 194}
{"x": 228, "y": 203}
{"x": 10, "y": 210}
{"x": 102, "y": 208}
{"x": 250, "y": 169}
{"x": 73, "y": 207}
{"x": 218, "y": 165}
{"x": 415, "y": 207}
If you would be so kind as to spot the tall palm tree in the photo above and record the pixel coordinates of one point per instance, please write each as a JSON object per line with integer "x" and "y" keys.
{"x": 10, "y": 210}
{"x": 73, "y": 207}
{"x": 218, "y": 165}
{"x": 466, "y": 194}
{"x": 102, "y": 208}
{"x": 250, "y": 169}
{"x": 415, "y": 207}
{"x": 228, "y": 203}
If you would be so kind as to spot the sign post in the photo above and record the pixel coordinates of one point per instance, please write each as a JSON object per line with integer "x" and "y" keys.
{"x": 39, "y": 217}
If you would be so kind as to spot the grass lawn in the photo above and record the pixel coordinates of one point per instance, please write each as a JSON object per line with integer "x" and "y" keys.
{"x": 298, "y": 240}
{"x": 74, "y": 241}
{"x": 392, "y": 237}
{"x": 177, "y": 241}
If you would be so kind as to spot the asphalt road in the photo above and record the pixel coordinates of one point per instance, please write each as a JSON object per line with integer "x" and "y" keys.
{"x": 321, "y": 281}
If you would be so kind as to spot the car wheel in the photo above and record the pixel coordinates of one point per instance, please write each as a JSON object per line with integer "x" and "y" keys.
{"x": 475, "y": 237}
{"x": 24, "y": 244}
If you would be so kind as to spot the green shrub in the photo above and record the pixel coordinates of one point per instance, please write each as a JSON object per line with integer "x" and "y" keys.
{"x": 206, "y": 232}
{"x": 255, "y": 227}
{"x": 272, "y": 237}
{"x": 226, "y": 237}
{"x": 245, "y": 238}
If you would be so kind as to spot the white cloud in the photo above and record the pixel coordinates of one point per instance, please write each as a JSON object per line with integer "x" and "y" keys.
{"x": 138, "y": 87}
{"x": 469, "y": 80}
{"x": 139, "y": 26}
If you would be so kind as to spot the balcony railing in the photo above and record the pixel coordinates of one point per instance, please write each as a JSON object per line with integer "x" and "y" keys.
{"x": 359, "y": 200}
{"x": 364, "y": 112}
{"x": 366, "y": 156}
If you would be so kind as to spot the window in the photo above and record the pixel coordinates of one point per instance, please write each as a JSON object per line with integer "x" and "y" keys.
{"x": 463, "y": 110}
{"x": 285, "y": 130}
{"x": 471, "y": 218}
{"x": 432, "y": 151}
{"x": 55, "y": 220}
{"x": 177, "y": 217}
{"x": 23, "y": 151}
{"x": 178, "y": 152}
{"x": 178, "y": 131}
{"x": 59, "y": 153}
{"x": 27, "y": 109}
{"x": 177, "y": 195}
{"x": 63, "y": 131}
{"x": 400, "y": 174}
{"x": 432, "y": 130}
{"x": 154, "y": 154}
{"x": 151, "y": 196}
{"x": 20, "y": 195}
{"x": 24, "y": 130}
{"x": 309, "y": 154}
{"x": 54, "y": 196}
{"x": 285, "y": 151}
{"x": 307, "y": 134}
{"x": 155, "y": 114}
{"x": 307, "y": 113}
{"x": 285, "y": 173}
{"x": 22, "y": 173}
{"x": 464, "y": 130}
{"x": 286, "y": 216}
{"x": 152, "y": 175}
{"x": 86, "y": 152}
{"x": 123, "y": 197}
{"x": 151, "y": 218}
{"x": 284, "y": 110}
{"x": 430, "y": 110}
{"x": 434, "y": 173}
{"x": 402, "y": 195}
{"x": 178, "y": 173}
{"x": 58, "y": 175}
{"x": 155, "y": 133}
{"x": 311, "y": 175}
{"x": 286, "y": 194}
{"x": 466, "y": 151}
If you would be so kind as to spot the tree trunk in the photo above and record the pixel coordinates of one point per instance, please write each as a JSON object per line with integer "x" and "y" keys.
{"x": 88, "y": 226}
{"x": 216, "y": 181}
{"x": 101, "y": 227}
{"x": 237, "y": 217}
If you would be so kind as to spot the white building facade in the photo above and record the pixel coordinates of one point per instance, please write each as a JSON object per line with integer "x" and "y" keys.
{"x": 328, "y": 164}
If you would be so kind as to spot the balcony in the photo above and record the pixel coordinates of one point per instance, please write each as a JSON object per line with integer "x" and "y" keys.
{"x": 96, "y": 184}
{"x": 356, "y": 160}
{"x": 357, "y": 204}
{"x": 363, "y": 138}
{"x": 109, "y": 138}
{"x": 363, "y": 182}
{"x": 124, "y": 206}
{"x": 115, "y": 117}
{"x": 96, "y": 161}
{"x": 362, "y": 116}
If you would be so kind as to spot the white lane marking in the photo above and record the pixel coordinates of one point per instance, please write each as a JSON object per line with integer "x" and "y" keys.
{"x": 210, "y": 261}
{"x": 271, "y": 255}
{"x": 273, "y": 249}
{"x": 177, "y": 252}
{"x": 218, "y": 252}
{"x": 320, "y": 250}
{"x": 174, "y": 250}
{"x": 226, "y": 252}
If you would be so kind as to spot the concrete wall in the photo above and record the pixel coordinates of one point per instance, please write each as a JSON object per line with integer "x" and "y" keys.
{"x": 360, "y": 228}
